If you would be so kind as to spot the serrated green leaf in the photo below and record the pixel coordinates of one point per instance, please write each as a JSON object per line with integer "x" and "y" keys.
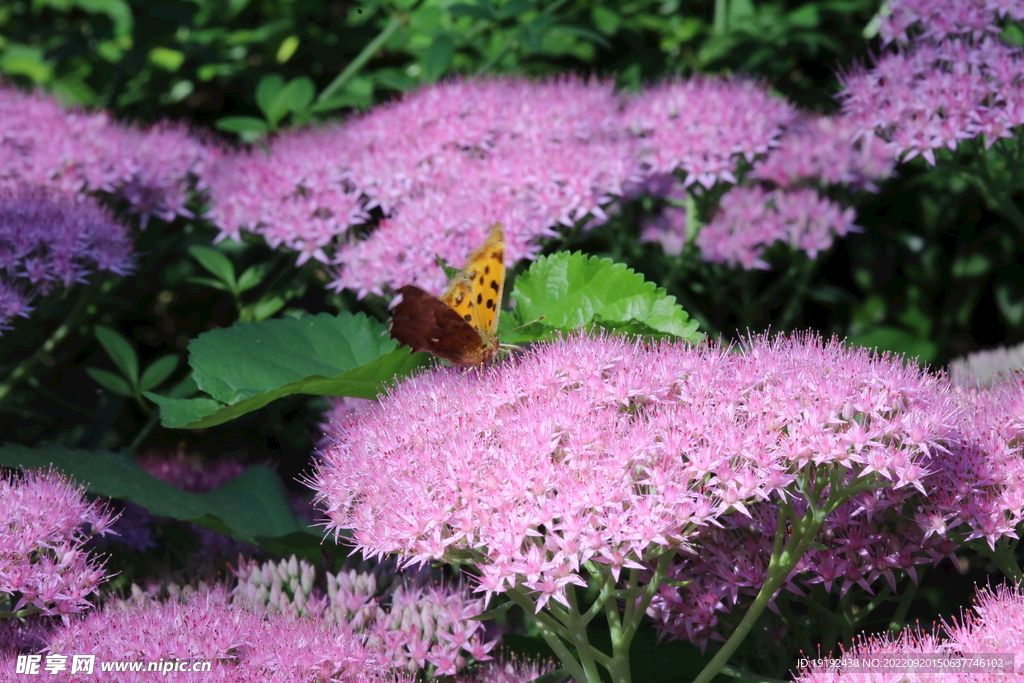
{"x": 573, "y": 291}
{"x": 242, "y": 124}
{"x": 248, "y": 365}
{"x": 438, "y": 57}
{"x": 252, "y": 508}
{"x": 158, "y": 371}
{"x": 120, "y": 351}
{"x": 217, "y": 263}
{"x": 110, "y": 382}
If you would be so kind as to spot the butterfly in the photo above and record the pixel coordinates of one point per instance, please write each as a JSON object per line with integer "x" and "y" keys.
{"x": 461, "y": 326}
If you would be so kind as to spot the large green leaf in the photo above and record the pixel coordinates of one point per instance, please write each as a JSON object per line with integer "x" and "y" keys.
{"x": 573, "y": 291}
{"x": 252, "y": 507}
{"x": 246, "y": 366}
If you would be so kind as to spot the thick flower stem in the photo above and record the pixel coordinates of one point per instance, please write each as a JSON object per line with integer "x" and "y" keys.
{"x": 785, "y": 559}
{"x": 549, "y": 630}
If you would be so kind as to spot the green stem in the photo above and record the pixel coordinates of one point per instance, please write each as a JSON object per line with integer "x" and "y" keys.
{"x": 553, "y": 634}
{"x": 784, "y": 560}
{"x": 361, "y": 59}
{"x": 585, "y": 652}
{"x": 24, "y": 369}
{"x": 151, "y": 423}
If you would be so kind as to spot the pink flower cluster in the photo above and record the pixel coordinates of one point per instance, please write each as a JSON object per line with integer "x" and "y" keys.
{"x": 994, "y": 625}
{"x": 825, "y": 150}
{"x": 703, "y": 126}
{"x": 936, "y": 20}
{"x": 931, "y": 95}
{"x": 750, "y": 219}
{"x": 42, "y": 144}
{"x": 49, "y": 239}
{"x": 43, "y": 566}
{"x": 612, "y": 452}
{"x": 410, "y": 622}
{"x": 242, "y": 644}
{"x": 442, "y": 165}
{"x": 971, "y": 489}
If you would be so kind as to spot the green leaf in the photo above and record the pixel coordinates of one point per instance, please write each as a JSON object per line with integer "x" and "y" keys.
{"x": 573, "y": 291}
{"x": 606, "y": 20}
{"x": 121, "y": 351}
{"x": 208, "y": 282}
{"x": 288, "y": 47}
{"x": 25, "y": 60}
{"x": 299, "y": 93}
{"x": 111, "y": 382}
{"x": 438, "y": 57}
{"x": 1010, "y": 300}
{"x": 475, "y": 11}
{"x": 252, "y": 508}
{"x": 248, "y": 365}
{"x": 557, "y": 676}
{"x": 513, "y": 8}
{"x": 252, "y": 276}
{"x": 243, "y": 124}
{"x": 158, "y": 371}
{"x": 166, "y": 58}
{"x": 263, "y": 308}
{"x": 805, "y": 16}
{"x": 118, "y": 11}
{"x": 269, "y": 100}
{"x": 218, "y": 264}
{"x": 897, "y": 340}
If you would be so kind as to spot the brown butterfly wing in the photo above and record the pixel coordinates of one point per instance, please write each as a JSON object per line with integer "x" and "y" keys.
{"x": 425, "y": 323}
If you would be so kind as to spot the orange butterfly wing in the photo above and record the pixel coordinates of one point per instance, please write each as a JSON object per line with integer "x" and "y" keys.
{"x": 460, "y": 327}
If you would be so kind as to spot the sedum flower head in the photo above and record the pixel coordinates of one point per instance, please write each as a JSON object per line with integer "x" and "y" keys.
{"x": 242, "y": 644}
{"x": 971, "y": 492}
{"x": 43, "y": 565}
{"x": 703, "y": 127}
{"x": 46, "y": 145}
{"x": 936, "y": 20}
{"x": 441, "y": 165}
{"x": 827, "y": 150}
{"x": 751, "y": 218}
{"x": 609, "y": 451}
{"x": 50, "y": 240}
{"x": 994, "y": 625}
{"x": 410, "y": 622}
{"x": 930, "y": 96}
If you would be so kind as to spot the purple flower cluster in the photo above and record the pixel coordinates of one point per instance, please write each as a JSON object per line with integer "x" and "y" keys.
{"x": 43, "y": 566}
{"x": 750, "y": 219}
{"x": 994, "y": 625}
{"x": 825, "y": 150}
{"x": 971, "y": 489}
{"x": 935, "y": 20}
{"x": 931, "y": 94}
{"x": 612, "y": 452}
{"x": 702, "y": 127}
{"x": 49, "y": 239}
{"x": 42, "y": 144}
{"x": 441, "y": 164}
{"x": 784, "y": 206}
{"x": 242, "y": 644}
